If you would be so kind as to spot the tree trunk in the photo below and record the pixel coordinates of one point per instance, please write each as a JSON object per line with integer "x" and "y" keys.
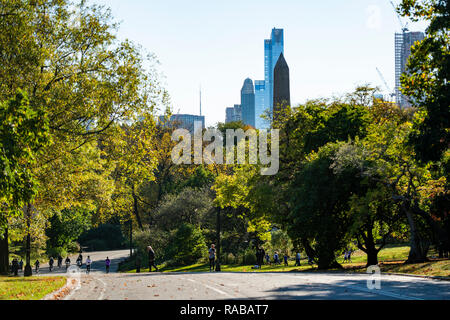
{"x": 418, "y": 251}
{"x": 372, "y": 257}
{"x": 135, "y": 209}
{"x": 4, "y": 253}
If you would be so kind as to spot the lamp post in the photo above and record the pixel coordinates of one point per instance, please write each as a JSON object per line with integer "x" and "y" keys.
{"x": 218, "y": 241}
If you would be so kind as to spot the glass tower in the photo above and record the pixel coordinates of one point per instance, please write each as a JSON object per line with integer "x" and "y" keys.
{"x": 403, "y": 43}
{"x": 248, "y": 102}
{"x": 260, "y": 106}
{"x": 273, "y": 48}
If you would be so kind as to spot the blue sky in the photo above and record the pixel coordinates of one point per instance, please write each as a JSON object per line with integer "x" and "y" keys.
{"x": 330, "y": 46}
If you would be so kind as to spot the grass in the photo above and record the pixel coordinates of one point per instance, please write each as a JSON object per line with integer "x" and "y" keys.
{"x": 391, "y": 259}
{"x": 30, "y": 288}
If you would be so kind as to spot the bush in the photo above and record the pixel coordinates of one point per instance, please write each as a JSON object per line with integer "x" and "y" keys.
{"x": 73, "y": 247}
{"x": 249, "y": 257}
{"x": 55, "y": 252}
{"x": 187, "y": 245}
{"x": 230, "y": 259}
{"x": 159, "y": 240}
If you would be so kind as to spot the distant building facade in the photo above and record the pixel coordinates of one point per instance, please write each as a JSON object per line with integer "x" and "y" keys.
{"x": 248, "y": 102}
{"x": 183, "y": 121}
{"x": 233, "y": 114}
{"x": 260, "y": 105}
{"x": 281, "y": 90}
{"x": 258, "y": 98}
{"x": 273, "y": 48}
{"x": 403, "y": 43}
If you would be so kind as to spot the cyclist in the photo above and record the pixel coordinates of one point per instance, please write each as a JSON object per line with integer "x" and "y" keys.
{"x": 88, "y": 264}
{"x": 50, "y": 262}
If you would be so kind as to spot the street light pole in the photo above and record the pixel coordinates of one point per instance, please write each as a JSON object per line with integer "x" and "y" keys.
{"x": 218, "y": 241}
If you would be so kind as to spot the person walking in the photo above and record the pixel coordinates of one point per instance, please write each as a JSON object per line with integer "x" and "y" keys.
{"x": 107, "y": 264}
{"x": 212, "y": 257}
{"x": 88, "y": 265}
{"x": 267, "y": 258}
{"x": 345, "y": 256}
{"x": 285, "y": 257}
{"x": 50, "y": 263}
{"x": 151, "y": 259}
{"x": 15, "y": 267}
{"x": 80, "y": 260}
{"x": 36, "y": 266}
{"x": 21, "y": 264}
{"x": 349, "y": 255}
{"x": 276, "y": 259}
{"x": 297, "y": 259}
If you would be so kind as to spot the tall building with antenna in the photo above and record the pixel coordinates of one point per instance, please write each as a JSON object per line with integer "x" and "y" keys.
{"x": 185, "y": 121}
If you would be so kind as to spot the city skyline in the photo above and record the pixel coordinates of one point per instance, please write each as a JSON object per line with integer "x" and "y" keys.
{"x": 331, "y": 48}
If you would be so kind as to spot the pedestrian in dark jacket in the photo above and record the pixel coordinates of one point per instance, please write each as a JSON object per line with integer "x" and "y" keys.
{"x": 151, "y": 259}
{"x": 15, "y": 267}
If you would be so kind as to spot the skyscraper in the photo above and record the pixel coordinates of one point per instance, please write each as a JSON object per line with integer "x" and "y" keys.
{"x": 229, "y": 112}
{"x": 281, "y": 90}
{"x": 403, "y": 43}
{"x": 260, "y": 105}
{"x": 273, "y": 48}
{"x": 248, "y": 102}
{"x": 233, "y": 114}
{"x": 183, "y": 121}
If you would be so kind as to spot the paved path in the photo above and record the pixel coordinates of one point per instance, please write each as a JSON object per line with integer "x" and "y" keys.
{"x": 98, "y": 265}
{"x": 216, "y": 286}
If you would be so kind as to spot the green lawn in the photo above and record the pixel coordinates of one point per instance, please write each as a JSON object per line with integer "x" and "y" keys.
{"x": 30, "y": 288}
{"x": 391, "y": 259}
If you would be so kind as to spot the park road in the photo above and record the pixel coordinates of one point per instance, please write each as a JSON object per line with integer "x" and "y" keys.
{"x": 251, "y": 285}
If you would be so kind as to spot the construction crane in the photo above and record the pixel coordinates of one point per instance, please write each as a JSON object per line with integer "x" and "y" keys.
{"x": 392, "y": 94}
{"x": 404, "y": 27}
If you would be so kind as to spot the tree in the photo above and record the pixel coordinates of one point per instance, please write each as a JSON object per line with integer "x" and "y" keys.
{"x": 67, "y": 226}
{"x": 67, "y": 58}
{"x": 23, "y": 134}
{"x": 426, "y": 78}
{"x": 192, "y": 206}
{"x": 188, "y": 245}
{"x": 374, "y": 215}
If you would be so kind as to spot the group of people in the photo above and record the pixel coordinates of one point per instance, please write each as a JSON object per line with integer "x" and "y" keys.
{"x": 18, "y": 265}
{"x": 261, "y": 255}
{"x": 348, "y": 256}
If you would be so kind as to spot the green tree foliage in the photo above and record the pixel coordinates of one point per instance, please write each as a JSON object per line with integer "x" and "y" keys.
{"x": 67, "y": 226}
{"x": 187, "y": 245}
{"x": 427, "y": 78}
{"x": 23, "y": 134}
{"x": 192, "y": 206}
